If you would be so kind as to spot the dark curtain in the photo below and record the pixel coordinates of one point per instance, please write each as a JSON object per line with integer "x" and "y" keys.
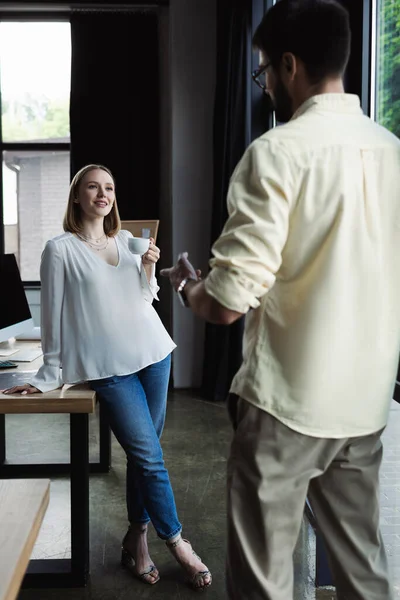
{"x": 114, "y": 108}
{"x": 396, "y": 392}
{"x": 223, "y": 345}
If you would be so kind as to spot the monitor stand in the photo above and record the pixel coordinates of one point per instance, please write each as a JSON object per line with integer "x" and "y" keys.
{"x": 8, "y": 347}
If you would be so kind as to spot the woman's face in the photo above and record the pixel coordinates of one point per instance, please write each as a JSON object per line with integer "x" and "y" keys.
{"x": 96, "y": 194}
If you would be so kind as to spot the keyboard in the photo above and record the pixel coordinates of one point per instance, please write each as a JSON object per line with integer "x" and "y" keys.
{"x": 7, "y": 364}
{"x": 27, "y": 355}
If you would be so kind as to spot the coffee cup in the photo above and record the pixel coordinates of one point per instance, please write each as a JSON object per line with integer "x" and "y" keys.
{"x": 138, "y": 245}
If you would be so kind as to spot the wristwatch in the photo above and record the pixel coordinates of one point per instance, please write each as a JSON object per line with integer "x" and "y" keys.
{"x": 181, "y": 291}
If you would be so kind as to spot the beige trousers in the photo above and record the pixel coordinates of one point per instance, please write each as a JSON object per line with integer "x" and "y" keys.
{"x": 271, "y": 470}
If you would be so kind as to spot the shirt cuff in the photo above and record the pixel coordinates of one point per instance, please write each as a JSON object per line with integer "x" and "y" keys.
{"x": 149, "y": 286}
{"x": 234, "y": 290}
{"x": 48, "y": 378}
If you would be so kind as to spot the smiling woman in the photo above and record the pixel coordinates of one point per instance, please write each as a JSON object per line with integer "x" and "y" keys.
{"x": 99, "y": 327}
{"x": 92, "y": 198}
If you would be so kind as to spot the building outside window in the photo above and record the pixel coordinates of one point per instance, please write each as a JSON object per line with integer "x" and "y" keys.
{"x": 35, "y": 89}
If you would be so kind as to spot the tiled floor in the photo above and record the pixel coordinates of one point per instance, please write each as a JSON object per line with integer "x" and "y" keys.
{"x": 195, "y": 443}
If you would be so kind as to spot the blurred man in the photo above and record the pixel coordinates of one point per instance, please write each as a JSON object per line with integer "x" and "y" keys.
{"x": 312, "y": 245}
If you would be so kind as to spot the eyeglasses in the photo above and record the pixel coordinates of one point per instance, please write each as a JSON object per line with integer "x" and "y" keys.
{"x": 257, "y": 74}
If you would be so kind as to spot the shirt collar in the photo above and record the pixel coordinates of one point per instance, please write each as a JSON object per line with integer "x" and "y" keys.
{"x": 338, "y": 103}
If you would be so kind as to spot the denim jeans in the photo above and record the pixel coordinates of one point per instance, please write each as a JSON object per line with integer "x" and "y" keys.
{"x": 135, "y": 406}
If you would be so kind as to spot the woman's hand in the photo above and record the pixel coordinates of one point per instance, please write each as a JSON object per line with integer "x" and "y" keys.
{"x": 21, "y": 389}
{"x": 152, "y": 255}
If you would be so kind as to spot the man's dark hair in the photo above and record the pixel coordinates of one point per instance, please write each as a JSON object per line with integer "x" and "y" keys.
{"x": 316, "y": 31}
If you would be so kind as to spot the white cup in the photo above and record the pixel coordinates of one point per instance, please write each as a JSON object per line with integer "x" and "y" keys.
{"x": 138, "y": 245}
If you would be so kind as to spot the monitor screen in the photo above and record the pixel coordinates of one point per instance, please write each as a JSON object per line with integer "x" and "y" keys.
{"x": 15, "y": 314}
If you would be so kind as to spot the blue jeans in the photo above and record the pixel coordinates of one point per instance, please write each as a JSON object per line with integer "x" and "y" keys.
{"x": 135, "y": 406}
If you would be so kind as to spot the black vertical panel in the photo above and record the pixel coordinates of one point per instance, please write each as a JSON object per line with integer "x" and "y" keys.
{"x": 114, "y": 109}
{"x": 358, "y": 74}
{"x": 223, "y": 345}
{"x": 261, "y": 113}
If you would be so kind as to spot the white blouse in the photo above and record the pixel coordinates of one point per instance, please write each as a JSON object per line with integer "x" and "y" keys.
{"x": 97, "y": 320}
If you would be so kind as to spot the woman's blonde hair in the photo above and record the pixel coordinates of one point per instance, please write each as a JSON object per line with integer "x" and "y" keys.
{"x": 72, "y": 219}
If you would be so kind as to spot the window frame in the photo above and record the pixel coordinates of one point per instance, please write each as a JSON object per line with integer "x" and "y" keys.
{"x": 360, "y": 81}
{"x": 258, "y": 122}
{"x": 374, "y": 46}
{"x": 31, "y": 16}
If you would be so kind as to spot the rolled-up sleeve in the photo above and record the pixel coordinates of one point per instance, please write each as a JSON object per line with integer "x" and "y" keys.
{"x": 248, "y": 253}
{"x": 49, "y": 376}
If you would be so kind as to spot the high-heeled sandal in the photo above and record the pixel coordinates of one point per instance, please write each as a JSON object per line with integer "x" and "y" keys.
{"x": 197, "y": 577}
{"x": 128, "y": 562}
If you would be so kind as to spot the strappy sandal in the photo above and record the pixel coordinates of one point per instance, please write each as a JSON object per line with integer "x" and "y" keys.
{"x": 198, "y": 577}
{"x": 128, "y": 562}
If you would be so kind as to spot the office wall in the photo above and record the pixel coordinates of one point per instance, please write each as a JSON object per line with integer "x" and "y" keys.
{"x": 33, "y": 297}
{"x": 192, "y": 46}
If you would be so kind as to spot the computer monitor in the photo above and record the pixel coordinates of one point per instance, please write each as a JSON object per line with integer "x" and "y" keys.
{"x": 15, "y": 314}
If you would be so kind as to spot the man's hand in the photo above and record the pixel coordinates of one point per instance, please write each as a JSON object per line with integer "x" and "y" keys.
{"x": 203, "y": 305}
{"x": 182, "y": 270}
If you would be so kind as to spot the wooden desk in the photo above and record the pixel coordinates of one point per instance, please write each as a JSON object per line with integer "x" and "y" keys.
{"x": 78, "y": 401}
{"x": 51, "y": 469}
{"x": 23, "y": 504}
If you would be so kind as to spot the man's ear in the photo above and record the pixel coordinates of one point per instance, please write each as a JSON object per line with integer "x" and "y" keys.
{"x": 289, "y": 64}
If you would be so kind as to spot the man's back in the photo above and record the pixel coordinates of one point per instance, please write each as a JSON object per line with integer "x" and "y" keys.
{"x": 321, "y": 351}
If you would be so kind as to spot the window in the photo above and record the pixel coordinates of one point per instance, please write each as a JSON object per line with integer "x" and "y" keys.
{"x": 35, "y": 66}
{"x": 387, "y": 108}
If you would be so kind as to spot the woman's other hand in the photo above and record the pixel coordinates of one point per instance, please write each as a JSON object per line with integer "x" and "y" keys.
{"x": 21, "y": 389}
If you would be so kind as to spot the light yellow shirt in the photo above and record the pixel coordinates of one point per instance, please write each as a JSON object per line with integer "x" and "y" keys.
{"x": 312, "y": 248}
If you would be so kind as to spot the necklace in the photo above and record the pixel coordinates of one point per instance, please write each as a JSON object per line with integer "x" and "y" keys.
{"x": 97, "y": 248}
{"x": 87, "y": 238}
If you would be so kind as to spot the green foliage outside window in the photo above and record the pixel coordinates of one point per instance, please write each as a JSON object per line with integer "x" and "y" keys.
{"x": 388, "y": 89}
{"x": 35, "y": 119}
